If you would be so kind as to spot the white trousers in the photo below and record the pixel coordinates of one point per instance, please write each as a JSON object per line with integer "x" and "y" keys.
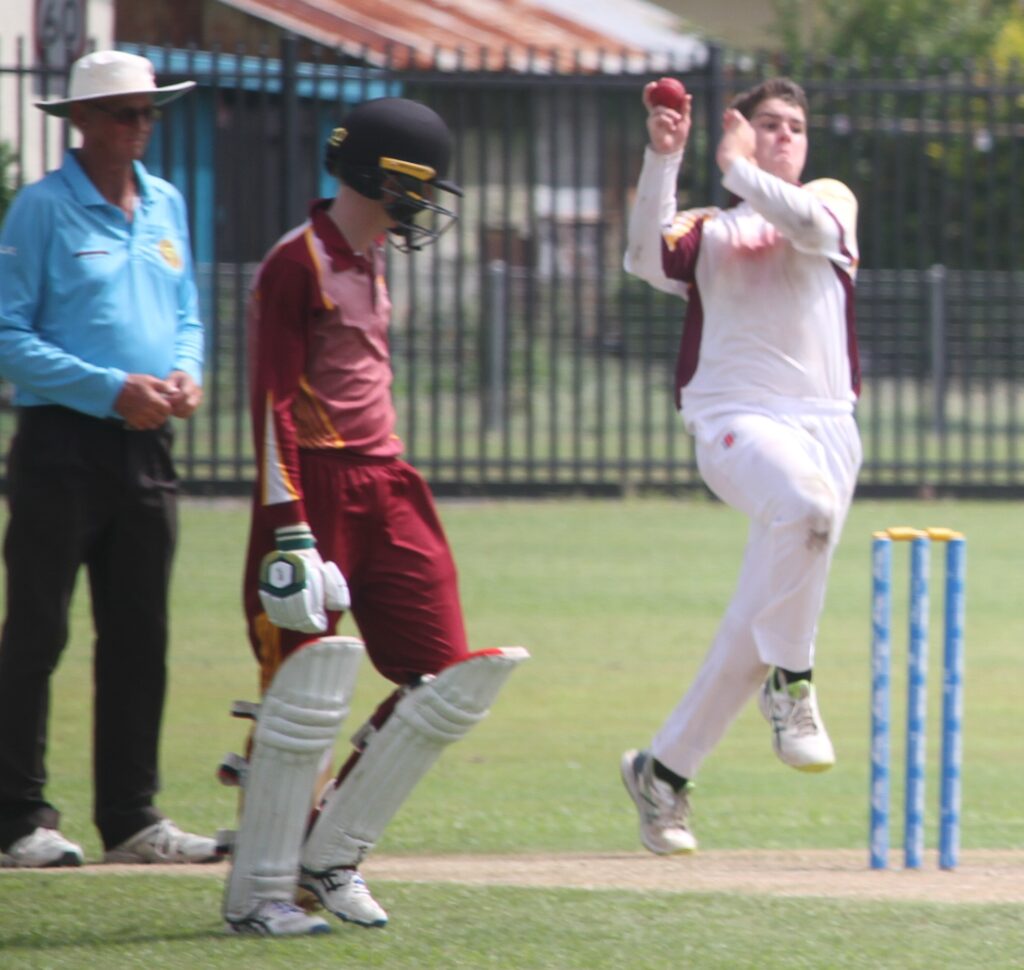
{"x": 793, "y": 476}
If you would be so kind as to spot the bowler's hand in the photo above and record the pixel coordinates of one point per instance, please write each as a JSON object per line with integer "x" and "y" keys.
{"x": 667, "y": 129}
{"x": 297, "y": 587}
{"x": 144, "y": 401}
{"x": 186, "y": 395}
{"x": 738, "y": 140}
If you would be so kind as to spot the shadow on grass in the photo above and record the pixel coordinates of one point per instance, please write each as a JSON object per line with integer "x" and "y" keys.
{"x": 36, "y": 940}
{"x": 58, "y": 912}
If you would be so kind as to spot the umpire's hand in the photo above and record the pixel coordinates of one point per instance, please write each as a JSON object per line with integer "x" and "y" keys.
{"x": 144, "y": 401}
{"x": 186, "y": 395}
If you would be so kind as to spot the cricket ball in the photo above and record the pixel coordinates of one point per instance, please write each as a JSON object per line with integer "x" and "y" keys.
{"x": 669, "y": 92}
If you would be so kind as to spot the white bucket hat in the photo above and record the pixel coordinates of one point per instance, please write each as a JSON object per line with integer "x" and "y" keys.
{"x": 108, "y": 74}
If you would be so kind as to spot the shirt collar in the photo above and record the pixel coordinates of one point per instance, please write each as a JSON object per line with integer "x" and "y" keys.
{"x": 337, "y": 246}
{"x": 86, "y": 192}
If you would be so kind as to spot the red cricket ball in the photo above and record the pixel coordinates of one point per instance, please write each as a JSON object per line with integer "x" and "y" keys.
{"x": 669, "y": 92}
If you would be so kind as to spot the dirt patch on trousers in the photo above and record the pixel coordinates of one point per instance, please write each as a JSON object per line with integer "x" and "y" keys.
{"x": 983, "y": 876}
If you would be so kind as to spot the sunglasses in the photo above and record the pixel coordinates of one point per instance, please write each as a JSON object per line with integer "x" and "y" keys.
{"x": 129, "y": 117}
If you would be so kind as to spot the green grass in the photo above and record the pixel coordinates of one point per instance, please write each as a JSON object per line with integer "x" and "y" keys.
{"x": 617, "y": 602}
{"x": 154, "y": 922}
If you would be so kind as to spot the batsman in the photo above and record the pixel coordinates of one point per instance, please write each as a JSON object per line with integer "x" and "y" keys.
{"x": 340, "y": 523}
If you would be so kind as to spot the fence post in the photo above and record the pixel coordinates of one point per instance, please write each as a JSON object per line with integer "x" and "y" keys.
{"x": 495, "y": 329}
{"x": 937, "y": 324}
{"x": 715, "y": 102}
{"x": 290, "y": 205}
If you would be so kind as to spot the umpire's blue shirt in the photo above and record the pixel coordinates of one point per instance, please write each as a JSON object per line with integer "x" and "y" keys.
{"x": 87, "y": 297}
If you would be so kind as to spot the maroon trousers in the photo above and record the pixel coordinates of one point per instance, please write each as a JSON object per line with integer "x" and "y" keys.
{"x": 376, "y": 519}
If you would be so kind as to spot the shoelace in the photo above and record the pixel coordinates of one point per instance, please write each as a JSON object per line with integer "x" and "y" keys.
{"x": 359, "y": 887}
{"x": 673, "y": 807}
{"x": 168, "y": 841}
{"x": 164, "y": 840}
{"x": 801, "y": 717}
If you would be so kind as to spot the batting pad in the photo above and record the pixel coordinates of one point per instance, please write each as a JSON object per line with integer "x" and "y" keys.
{"x": 431, "y": 716}
{"x": 298, "y": 721}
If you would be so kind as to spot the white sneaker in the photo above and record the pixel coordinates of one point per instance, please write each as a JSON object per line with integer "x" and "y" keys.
{"x": 276, "y": 918}
{"x": 799, "y": 736}
{"x": 664, "y": 812}
{"x": 42, "y": 849}
{"x": 343, "y": 891}
{"x": 164, "y": 842}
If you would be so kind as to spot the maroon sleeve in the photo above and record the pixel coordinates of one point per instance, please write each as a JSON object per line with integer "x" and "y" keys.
{"x": 282, "y": 301}
{"x": 680, "y": 244}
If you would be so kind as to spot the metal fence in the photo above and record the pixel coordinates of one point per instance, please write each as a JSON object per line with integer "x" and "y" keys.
{"x": 526, "y": 362}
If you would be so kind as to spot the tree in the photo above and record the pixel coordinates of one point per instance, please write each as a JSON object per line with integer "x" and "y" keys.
{"x": 7, "y": 184}
{"x": 888, "y": 29}
{"x": 1009, "y": 45}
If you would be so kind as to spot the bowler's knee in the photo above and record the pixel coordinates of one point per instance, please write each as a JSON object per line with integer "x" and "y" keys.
{"x": 813, "y": 508}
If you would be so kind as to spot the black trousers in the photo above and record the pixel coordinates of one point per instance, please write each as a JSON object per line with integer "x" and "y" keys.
{"x": 82, "y": 490}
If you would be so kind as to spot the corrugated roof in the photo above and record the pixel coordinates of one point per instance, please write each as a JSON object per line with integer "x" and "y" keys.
{"x": 469, "y": 34}
{"x": 640, "y": 23}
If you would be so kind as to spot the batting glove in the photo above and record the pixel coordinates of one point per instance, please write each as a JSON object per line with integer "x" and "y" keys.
{"x": 297, "y": 587}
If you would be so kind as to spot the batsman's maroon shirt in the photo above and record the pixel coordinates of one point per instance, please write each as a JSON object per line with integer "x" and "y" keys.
{"x": 327, "y": 454}
{"x": 318, "y": 322}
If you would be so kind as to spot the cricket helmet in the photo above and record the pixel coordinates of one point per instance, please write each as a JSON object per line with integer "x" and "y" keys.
{"x": 398, "y": 151}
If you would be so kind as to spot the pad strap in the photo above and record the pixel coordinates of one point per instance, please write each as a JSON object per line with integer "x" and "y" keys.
{"x": 429, "y": 717}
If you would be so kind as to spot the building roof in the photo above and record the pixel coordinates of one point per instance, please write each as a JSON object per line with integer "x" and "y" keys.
{"x": 648, "y": 26}
{"x": 627, "y": 35}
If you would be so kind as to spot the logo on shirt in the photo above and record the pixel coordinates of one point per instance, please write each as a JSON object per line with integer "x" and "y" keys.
{"x": 729, "y": 440}
{"x": 169, "y": 252}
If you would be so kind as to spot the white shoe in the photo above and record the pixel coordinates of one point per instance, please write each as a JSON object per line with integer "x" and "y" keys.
{"x": 664, "y": 812}
{"x": 163, "y": 842}
{"x": 42, "y": 849}
{"x": 798, "y": 734}
{"x": 343, "y": 891}
{"x": 276, "y": 918}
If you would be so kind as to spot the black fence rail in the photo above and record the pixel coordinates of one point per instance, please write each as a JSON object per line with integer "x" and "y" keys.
{"x": 526, "y": 361}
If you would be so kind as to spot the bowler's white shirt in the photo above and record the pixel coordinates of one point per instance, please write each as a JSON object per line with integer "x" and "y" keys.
{"x": 772, "y": 280}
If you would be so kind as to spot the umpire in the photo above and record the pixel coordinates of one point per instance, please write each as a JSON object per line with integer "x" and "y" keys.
{"x": 101, "y": 338}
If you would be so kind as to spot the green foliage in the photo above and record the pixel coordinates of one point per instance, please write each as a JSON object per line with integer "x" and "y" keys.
{"x": 930, "y": 148}
{"x": 884, "y": 29}
{"x": 1009, "y": 46}
{"x": 7, "y": 183}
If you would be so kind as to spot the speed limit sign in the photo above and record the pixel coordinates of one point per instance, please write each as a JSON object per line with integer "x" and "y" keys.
{"x": 60, "y": 31}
